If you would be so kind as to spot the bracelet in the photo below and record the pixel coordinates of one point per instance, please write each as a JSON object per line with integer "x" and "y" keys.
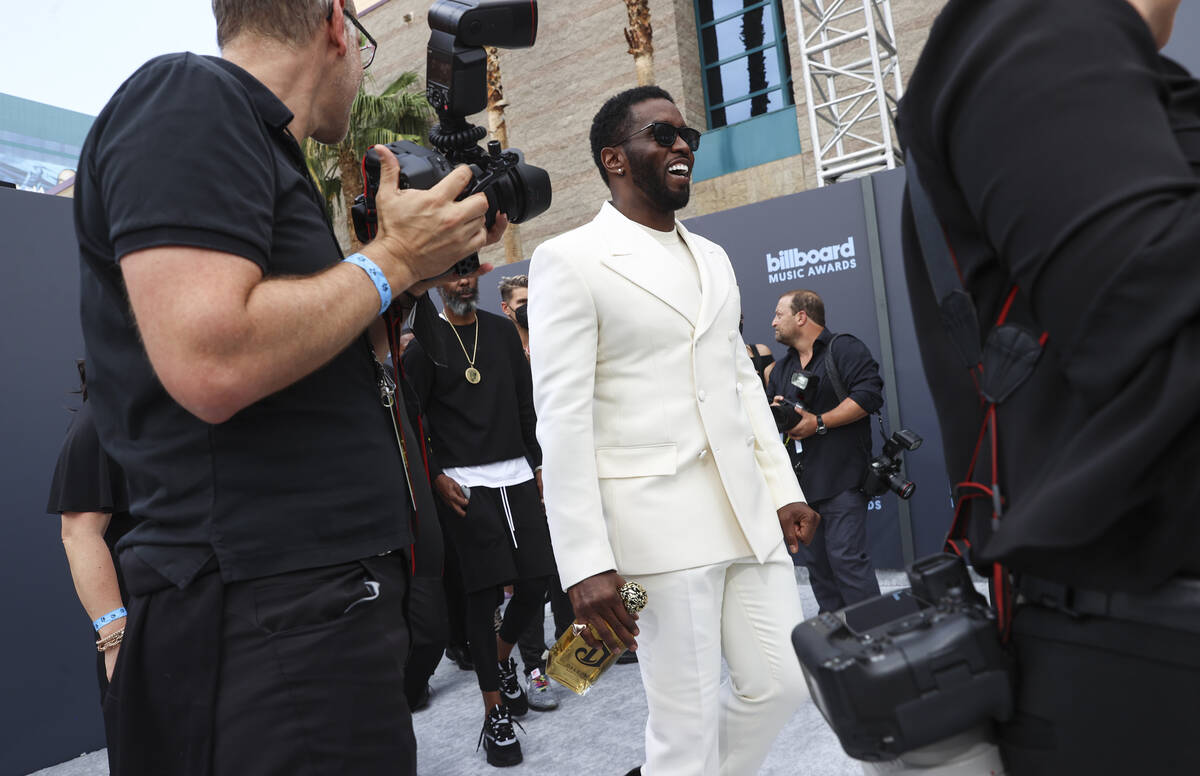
{"x": 377, "y": 277}
{"x": 110, "y": 641}
{"x": 112, "y": 616}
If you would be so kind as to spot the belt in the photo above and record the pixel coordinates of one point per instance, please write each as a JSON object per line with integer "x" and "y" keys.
{"x": 1175, "y": 604}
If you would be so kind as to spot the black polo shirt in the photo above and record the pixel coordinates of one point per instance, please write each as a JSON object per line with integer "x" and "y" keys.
{"x": 194, "y": 151}
{"x": 835, "y": 461}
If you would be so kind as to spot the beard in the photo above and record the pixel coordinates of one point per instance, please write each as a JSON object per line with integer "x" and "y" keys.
{"x": 653, "y": 184}
{"x": 460, "y": 306}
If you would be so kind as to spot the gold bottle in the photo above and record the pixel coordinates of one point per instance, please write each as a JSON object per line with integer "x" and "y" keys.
{"x": 574, "y": 664}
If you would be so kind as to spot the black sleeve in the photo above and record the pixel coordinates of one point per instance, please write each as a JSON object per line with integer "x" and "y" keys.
{"x": 1075, "y": 179}
{"x": 176, "y": 115}
{"x": 524, "y": 381}
{"x": 773, "y": 388}
{"x": 860, "y": 373}
{"x": 418, "y": 372}
{"x": 85, "y": 478}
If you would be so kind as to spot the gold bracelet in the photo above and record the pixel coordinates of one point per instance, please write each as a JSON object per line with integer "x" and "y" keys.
{"x": 110, "y": 641}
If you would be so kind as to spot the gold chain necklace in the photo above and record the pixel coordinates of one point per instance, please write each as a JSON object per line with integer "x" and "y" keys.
{"x": 472, "y": 374}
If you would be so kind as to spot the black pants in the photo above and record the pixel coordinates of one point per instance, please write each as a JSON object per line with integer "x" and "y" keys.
{"x": 299, "y": 673}
{"x": 526, "y": 603}
{"x": 1098, "y": 696}
{"x": 839, "y": 568}
{"x": 533, "y": 639}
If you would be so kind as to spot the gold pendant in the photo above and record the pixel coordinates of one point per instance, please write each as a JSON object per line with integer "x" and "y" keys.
{"x": 473, "y": 375}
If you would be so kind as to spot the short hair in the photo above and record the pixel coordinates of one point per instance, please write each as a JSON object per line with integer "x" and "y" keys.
{"x": 508, "y": 284}
{"x": 610, "y": 125}
{"x": 288, "y": 21}
{"x": 808, "y": 301}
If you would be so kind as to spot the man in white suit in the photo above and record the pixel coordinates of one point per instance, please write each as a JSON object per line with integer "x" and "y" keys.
{"x": 661, "y": 460}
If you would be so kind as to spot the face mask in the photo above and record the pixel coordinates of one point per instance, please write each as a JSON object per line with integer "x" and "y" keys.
{"x": 522, "y": 316}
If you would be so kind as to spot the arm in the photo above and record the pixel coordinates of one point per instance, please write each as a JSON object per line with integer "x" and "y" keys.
{"x": 528, "y": 416}
{"x": 860, "y": 373}
{"x": 768, "y": 448}
{"x": 563, "y": 346}
{"x": 221, "y": 337}
{"x": 420, "y": 373}
{"x": 92, "y": 571}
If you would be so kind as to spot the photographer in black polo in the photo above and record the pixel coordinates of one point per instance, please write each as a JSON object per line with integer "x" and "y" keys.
{"x": 232, "y": 379}
{"x": 829, "y": 445}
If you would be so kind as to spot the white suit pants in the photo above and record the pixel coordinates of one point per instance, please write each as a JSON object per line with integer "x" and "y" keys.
{"x": 744, "y": 610}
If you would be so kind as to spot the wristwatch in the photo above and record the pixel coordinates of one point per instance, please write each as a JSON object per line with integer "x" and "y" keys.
{"x": 820, "y": 425}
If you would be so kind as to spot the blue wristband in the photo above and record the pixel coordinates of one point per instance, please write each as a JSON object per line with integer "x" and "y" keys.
{"x": 377, "y": 277}
{"x": 112, "y": 616}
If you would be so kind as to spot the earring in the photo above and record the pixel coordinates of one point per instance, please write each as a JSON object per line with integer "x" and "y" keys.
{"x": 620, "y": 171}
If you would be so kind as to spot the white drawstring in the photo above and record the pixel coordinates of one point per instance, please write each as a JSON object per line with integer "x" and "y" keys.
{"x": 512, "y": 529}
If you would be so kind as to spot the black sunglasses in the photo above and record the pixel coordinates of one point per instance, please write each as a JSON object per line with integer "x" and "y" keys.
{"x": 665, "y": 134}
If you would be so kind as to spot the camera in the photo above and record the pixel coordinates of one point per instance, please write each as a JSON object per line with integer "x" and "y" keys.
{"x": 883, "y": 472}
{"x": 785, "y": 412}
{"x": 908, "y": 668}
{"x": 456, "y": 86}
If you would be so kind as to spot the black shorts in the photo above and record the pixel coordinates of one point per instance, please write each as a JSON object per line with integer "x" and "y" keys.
{"x": 490, "y": 551}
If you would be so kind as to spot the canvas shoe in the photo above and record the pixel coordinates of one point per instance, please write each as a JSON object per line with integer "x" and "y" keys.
{"x": 498, "y": 739}
{"x": 510, "y": 689}
{"x": 542, "y": 695}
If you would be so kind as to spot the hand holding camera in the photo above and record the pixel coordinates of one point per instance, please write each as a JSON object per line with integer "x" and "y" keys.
{"x": 421, "y": 233}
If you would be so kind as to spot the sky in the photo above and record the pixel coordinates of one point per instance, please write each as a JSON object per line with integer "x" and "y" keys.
{"x": 74, "y": 54}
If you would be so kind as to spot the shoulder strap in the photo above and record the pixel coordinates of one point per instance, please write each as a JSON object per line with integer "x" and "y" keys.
{"x": 831, "y": 370}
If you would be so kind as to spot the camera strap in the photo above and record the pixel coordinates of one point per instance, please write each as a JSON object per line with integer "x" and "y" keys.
{"x": 998, "y": 365}
{"x": 839, "y": 387}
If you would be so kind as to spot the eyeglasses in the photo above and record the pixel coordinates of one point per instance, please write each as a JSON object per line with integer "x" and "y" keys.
{"x": 366, "y": 44}
{"x": 665, "y": 134}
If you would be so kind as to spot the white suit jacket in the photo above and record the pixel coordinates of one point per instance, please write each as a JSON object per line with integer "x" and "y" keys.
{"x": 659, "y": 451}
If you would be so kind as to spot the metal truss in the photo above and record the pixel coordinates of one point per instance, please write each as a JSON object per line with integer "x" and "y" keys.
{"x": 852, "y": 85}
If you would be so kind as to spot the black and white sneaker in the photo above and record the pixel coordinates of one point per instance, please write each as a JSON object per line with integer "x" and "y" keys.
{"x": 499, "y": 740}
{"x": 511, "y": 691}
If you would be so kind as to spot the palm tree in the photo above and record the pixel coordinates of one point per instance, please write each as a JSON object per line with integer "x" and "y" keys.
{"x": 400, "y": 112}
{"x": 639, "y": 35}
{"x": 498, "y": 129}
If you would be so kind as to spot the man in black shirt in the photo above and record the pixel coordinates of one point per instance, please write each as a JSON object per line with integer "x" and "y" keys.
{"x": 830, "y": 444}
{"x": 232, "y": 380}
{"x": 486, "y": 466}
{"x": 1060, "y": 153}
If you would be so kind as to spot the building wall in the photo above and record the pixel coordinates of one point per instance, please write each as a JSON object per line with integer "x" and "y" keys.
{"x": 580, "y": 59}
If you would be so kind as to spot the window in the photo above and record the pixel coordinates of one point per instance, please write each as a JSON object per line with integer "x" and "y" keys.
{"x": 744, "y": 58}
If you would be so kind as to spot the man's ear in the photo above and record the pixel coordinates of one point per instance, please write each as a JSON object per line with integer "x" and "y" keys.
{"x": 335, "y": 31}
{"x": 504, "y": 308}
{"x": 614, "y": 161}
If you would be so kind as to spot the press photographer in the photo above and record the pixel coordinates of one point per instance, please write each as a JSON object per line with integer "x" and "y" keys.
{"x": 232, "y": 379}
{"x": 829, "y": 442}
{"x": 1051, "y": 230}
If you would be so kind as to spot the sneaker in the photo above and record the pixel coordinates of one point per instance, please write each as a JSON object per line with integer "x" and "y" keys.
{"x": 542, "y": 695}
{"x": 510, "y": 689}
{"x": 498, "y": 739}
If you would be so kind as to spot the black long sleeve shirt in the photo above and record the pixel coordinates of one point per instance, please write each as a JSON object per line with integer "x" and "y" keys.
{"x": 487, "y": 422}
{"x": 1061, "y": 152}
{"x": 833, "y": 462}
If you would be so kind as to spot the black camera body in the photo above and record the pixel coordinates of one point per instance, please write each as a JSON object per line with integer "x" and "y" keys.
{"x": 785, "y": 412}
{"x": 456, "y": 86}
{"x": 909, "y": 668}
{"x": 883, "y": 471}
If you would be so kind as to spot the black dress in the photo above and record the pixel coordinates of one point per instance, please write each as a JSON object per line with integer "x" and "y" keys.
{"x": 86, "y": 479}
